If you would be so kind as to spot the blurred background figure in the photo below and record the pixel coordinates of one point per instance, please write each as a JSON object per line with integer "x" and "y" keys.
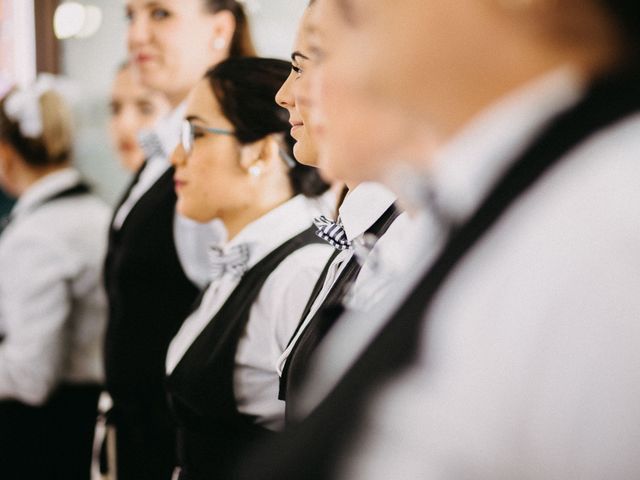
{"x": 52, "y": 306}
{"x": 133, "y": 107}
{"x": 157, "y": 260}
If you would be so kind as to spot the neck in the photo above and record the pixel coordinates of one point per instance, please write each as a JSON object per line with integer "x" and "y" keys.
{"x": 235, "y": 221}
{"x": 176, "y": 98}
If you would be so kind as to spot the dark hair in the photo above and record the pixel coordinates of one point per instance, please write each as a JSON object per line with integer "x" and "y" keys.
{"x": 627, "y": 14}
{"x": 245, "y": 89}
{"x": 241, "y": 42}
{"x": 54, "y": 145}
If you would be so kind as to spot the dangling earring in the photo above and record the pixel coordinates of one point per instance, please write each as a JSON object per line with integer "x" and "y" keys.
{"x": 219, "y": 43}
{"x": 255, "y": 171}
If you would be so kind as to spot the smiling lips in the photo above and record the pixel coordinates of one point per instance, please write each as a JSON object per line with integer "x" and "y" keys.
{"x": 295, "y": 125}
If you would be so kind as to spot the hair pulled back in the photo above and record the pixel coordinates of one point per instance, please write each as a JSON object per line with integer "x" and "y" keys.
{"x": 246, "y": 88}
{"x": 241, "y": 42}
{"x": 54, "y": 145}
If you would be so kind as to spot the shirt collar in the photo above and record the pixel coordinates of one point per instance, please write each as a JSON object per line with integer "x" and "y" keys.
{"x": 363, "y": 206}
{"x": 467, "y": 167}
{"x": 165, "y": 135}
{"x": 274, "y": 228}
{"x": 44, "y": 188}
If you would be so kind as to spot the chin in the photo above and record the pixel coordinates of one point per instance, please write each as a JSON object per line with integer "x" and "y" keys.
{"x": 132, "y": 162}
{"x": 303, "y": 157}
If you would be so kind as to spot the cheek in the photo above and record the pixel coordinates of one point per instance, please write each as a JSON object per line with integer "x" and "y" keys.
{"x": 305, "y": 150}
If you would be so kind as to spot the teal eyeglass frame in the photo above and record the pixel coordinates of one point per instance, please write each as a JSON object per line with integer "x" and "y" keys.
{"x": 188, "y": 130}
{"x": 187, "y": 138}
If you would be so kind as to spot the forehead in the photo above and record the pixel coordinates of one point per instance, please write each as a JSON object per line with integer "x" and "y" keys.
{"x": 302, "y": 36}
{"x": 202, "y": 103}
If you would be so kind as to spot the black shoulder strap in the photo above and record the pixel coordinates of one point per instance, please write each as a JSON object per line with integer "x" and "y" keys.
{"x": 330, "y": 428}
{"x": 332, "y": 306}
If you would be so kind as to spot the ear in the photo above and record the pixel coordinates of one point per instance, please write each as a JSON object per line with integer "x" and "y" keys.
{"x": 224, "y": 26}
{"x": 260, "y": 156}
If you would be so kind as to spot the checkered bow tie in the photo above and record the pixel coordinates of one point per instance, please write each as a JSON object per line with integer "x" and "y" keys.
{"x": 332, "y": 232}
{"x": 151, "y": 145}
{"x": 234, "y": 261}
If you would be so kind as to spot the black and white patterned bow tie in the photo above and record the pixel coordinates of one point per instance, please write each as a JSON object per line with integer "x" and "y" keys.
{"x": 332, "y": 232}
{"x": 234, "y": 261}
{"x": 151, "y": 145}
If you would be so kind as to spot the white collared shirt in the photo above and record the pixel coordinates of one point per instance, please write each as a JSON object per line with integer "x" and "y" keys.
{"x": 360, "y": 210}
{"x": 530, "y": 365}
{"x": 52, "y": 305}
{"x": 191, "y": 238}
{"x": 274, "y": 315}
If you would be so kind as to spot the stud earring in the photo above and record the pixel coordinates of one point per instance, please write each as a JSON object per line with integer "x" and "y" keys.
{"x": 255, "y": 171}
{"x": 219, "y": 43}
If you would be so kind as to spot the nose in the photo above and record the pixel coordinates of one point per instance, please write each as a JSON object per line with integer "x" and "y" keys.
{"x": 178, "y": 157}
{"x": 127, "y": 119}
{"x": 138, "y": 32}
{"x": 285, "y": 97}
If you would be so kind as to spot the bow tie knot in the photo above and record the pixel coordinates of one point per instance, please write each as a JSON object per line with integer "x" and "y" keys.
{"x": 151, "y": 145}
{"x": 233, "y": 261}
{"x": 332, "y": 232}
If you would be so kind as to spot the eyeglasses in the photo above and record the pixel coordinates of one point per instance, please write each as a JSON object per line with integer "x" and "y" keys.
{"x": 189, "y": 130}
{"x": 187, "y": 137}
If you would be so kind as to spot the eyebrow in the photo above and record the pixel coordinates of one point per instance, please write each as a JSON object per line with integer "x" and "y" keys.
{"x": 191, "y": 118}
{"x": 297, "y": 55}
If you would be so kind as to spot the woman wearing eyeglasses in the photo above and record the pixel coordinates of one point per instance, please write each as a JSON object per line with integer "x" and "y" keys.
{"x": 156, "y": 264}
{"x": 234, "y": 164}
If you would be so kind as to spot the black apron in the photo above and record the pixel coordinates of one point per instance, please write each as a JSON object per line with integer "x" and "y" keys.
{"x": 212, "y": 433}
{"x": 295, "y": 369}
{"x": 149, "y": 297}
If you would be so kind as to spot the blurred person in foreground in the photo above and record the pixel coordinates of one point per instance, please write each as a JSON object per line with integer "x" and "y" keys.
{"x": 52, "y": 306}
{"x": 514, "y": 353}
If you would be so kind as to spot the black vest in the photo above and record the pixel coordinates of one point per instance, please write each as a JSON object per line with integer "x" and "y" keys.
{"x": 295, "y": 368}
{"x": 149, "y": 298}
{"x": 313, "y": 449}
{"x": 211, "y": 432}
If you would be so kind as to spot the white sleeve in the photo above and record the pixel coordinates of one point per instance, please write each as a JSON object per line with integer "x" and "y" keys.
{"x": 35, "y": 306}
{"x": 287, "y": 292}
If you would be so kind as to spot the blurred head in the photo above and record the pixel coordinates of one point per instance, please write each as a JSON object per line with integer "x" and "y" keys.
{"x": 174, "y": 42}
{"x": 355, "y": 133}
{"x": 294, "y": 95}
{"x": 241, "y": 168}
{"x": 35, "y": 136}
{"x": 443, "y": 61}
{"x": 133, "y": 107}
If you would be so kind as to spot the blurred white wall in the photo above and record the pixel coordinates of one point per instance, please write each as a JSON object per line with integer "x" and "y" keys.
{"x": 91, "y": 63}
